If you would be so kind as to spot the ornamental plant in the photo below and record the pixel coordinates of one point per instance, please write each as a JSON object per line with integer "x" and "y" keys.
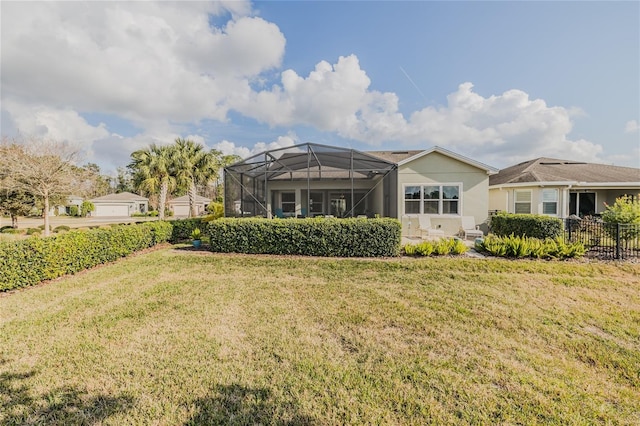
{"x": 625, "y": 210}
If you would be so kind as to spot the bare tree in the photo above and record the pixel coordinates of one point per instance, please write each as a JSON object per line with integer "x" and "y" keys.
{"x": 43, "y": 168}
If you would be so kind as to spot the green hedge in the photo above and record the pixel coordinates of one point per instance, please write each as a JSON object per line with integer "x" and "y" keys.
{"x": 444, "y": 246}
{"x": 308, "y": 237}
{"x": 32, "y": 260}
{"x": 530, "y": 225}
{"x": 182, "y": 228}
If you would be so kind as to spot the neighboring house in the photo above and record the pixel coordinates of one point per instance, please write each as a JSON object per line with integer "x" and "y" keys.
{"x": 560, "y": 187}
{"x": 122, "y": 204}
{"x": 180, "y": 206}
{"x": 72, "y": 200}
{"x": 316, "y": 180}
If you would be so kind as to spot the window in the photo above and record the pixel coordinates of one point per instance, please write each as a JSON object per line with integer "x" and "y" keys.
{"x": 432, "y": 199}
{"x": 550, "y": 201}
{"x": 522, "y": 202}
{"x": 288, "y": 202}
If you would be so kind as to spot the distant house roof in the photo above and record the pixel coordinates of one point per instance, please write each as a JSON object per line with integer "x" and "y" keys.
{"x": 185, "y": 199}
{"x": 121, "y": 197}
{"x": 553, "y": 170}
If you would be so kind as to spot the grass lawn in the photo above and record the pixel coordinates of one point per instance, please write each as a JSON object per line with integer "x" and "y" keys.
{"x": 182, "y": 337}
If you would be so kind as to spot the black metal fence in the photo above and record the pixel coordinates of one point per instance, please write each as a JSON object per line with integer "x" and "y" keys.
{"x": 604, "y": 240}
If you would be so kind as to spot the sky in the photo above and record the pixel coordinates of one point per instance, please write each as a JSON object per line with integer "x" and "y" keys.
{"x": 499, "y": 82}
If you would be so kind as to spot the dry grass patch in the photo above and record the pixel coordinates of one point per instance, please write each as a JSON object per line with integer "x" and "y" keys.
{"x": 182, "y": 337}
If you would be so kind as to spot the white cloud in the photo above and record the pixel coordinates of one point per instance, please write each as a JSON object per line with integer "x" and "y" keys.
{"x": 163, "y": 67}
{"x": 631, "y": 126}
{"x": 142, "y": 60}
{"x": 230, "y": 148}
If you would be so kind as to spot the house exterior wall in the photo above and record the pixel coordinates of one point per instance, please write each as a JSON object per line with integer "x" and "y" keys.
{"x": 438, "y": 168}
{"x": 503, "y": 199}
{"x": 275, "y": 189}
{"x": 119, "y": 209}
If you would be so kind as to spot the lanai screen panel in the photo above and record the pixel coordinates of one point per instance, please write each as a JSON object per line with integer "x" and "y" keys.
{"x": 247, "y": 182}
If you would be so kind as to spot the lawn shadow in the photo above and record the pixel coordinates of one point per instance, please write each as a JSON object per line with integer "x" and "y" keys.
{"x": 240, "y": 405}
{"x": 61, "y": 406}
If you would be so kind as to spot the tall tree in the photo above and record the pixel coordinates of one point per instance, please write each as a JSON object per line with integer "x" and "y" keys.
{"x": 43, "y": 168}
{"x": 152, "y": 172}
{"x": 193, "y": 166}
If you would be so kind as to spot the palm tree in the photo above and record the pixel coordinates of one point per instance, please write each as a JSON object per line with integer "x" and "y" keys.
{"x": 192, "y": 166}
{"x": 152, "y": 168}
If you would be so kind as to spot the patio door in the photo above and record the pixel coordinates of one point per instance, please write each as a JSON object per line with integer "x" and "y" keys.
{"x": 582, "y": 203}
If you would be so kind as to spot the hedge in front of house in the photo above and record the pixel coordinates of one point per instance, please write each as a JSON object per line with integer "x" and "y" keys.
{"x": 182, "y": 228}
{"x": 307, "y": 237}
{"x": 529, "y": 225}
{"x": 32, "y": 260}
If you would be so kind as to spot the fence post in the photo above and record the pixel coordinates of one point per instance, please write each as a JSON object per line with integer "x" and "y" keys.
{"x": 617, "y": 240}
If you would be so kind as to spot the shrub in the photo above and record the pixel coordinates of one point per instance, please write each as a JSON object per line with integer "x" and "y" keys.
{"x": 34, "y": 231}
{"x": 528, "y": 247}
{"x": 444, "y": 246}
{"x": 530, "y": 225}
{"x": 61, "y": 228}
{"x": 308, "y": 237}
{"x": 86, "y": 208}
{"x": 182, "y": 228}
{"x": 30, "y": 261}
{"x": 10, "y": 230}
{"x": 625, "y": 210}
{"x": 216, "y": 210}
{"x": 73, "y": 211}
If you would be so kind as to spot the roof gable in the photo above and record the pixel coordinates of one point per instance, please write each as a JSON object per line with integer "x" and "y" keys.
{"x": 490, "y": 170}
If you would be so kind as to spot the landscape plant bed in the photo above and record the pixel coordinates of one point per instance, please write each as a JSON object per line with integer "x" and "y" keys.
{"x": 171, "y": 337}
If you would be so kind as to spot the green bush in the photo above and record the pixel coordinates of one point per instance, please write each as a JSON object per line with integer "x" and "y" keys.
{"x": 308, "y": 237}
{"x": 10, "y": 230}
{"x": 182, "y": 228}
{"x": 444, "y": 246}
{"x": 30, "y": 261}
{"x": 626, "y": 211}
{"x": 528, "y": 247}
{"x": 73, "y": 211}
{"x": 216, "y": 210}
{"x": 530, "y": 225}
{"x": 61, "y": 228}
{"x": 34, "y": 231}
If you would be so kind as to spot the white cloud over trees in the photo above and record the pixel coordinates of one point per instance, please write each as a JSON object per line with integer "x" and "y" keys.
{"x": 164, "y": 67}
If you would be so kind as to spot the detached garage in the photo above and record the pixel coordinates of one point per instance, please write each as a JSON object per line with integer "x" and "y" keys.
{"x": 180, "y": 206}
{"x": 123, "y": 204}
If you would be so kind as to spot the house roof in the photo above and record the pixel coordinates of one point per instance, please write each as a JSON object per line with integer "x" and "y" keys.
{"x": 545, "y": 169}
{"x": 394, "y": 156}
{"x": 121, "y": 196}
{"x": 185, "y": 199}
{"x": 405, "y": 156}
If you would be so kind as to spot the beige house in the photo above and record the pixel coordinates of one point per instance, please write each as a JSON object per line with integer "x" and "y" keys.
{"x": 180, "y": 205}
{"x": 123, "y": 204}
{"x": 311, "y": 180}
{"x": 560, "y": 187}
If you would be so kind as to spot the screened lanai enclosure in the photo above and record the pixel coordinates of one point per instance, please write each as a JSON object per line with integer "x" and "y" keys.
{"x": 311, "y": 180}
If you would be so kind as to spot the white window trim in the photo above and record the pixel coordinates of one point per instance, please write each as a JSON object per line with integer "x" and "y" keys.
{"x": 515, "y": 199}
{"x": 556, "y": 201}
{"x": 440, "y": 201}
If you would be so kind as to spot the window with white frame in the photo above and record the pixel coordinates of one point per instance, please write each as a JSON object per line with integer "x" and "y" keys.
{"x": 432, "y": 199}
{"x": 522, "y": 202}
{"x": 550, "y": 201}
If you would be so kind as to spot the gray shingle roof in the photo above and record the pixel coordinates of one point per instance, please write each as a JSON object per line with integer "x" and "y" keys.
{"x": 553, "y": 170}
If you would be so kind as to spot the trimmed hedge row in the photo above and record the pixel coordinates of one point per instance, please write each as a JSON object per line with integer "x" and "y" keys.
{"x": 307, "y": 237}
{"x": 32, "y": 260}
{"x": 530, "y": 225}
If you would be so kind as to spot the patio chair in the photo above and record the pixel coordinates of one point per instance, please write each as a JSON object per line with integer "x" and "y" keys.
{"x": 469, "y": 228}
{"x": 278, "y": 213}
{"x": 425, "y": 228}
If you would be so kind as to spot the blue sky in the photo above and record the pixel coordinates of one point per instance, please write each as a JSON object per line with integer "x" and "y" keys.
{"x": 500, "y": 82}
